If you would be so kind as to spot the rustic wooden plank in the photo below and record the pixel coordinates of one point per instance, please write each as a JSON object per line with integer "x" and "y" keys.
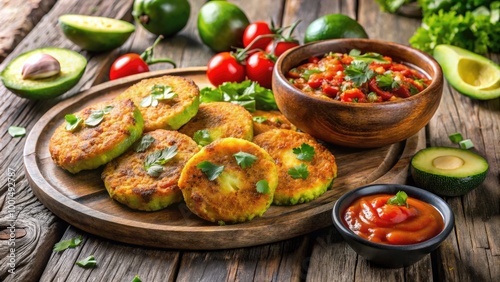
{"x": 18, "y": 20}
{"x": 115, "y": 261}
{"x": 42, "y": 228}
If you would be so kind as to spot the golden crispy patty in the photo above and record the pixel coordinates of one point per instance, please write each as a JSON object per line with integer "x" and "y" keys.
{"x": 267, "y": 120}
{"x": 129, "y": 183}
{"x": 88, "y": 147}
{"x": 233, "y": 196}
{"x": 168, "y": 113}
{"x": 322, "y": 168}
{"x": 221, "y": 120}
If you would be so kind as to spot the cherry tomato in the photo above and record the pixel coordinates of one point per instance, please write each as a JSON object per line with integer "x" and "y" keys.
{"x": 224, "y": 67}
{"x": 127, "y": 64}
{"x": 281, "y": 47}
{"x": 259, "y": 68}
{"x": 252, "y": 31}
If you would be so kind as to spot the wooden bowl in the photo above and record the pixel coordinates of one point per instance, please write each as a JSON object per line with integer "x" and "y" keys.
{"x": 358, "y": 125}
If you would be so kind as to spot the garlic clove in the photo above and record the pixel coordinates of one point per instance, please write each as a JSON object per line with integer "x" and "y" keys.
{"x": 40, "y": 66}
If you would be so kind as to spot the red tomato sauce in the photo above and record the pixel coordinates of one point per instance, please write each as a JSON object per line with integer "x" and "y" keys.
{"x": 358, "y": 78}
{"x": 371, "y": 218}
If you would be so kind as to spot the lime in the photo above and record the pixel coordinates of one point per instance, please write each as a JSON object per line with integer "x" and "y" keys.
{"x": 162, "y": 17}
{"x": 334, "y": 26}
{"x": 221, "y": 25}
{"x": 471, "y": 74}
{"x": 96, "y": 34}
{"x": 72, "y": 67}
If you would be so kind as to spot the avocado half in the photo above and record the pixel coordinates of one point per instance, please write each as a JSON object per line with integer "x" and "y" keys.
{"x": 471, "y": 74}
{"x": 448, "y": 171}
{"x": 72, "y": 68}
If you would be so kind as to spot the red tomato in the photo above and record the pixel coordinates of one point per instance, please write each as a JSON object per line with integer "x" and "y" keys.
{"x": 224, "y": 67}
{"x": 127, "y": 64}
{"x": 259, "y": 68}
{"x": 252, "y": 31}
{"x": 281, "y": 47}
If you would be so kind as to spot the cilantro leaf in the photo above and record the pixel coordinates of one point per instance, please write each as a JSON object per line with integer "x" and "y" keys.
{"x": 244, "y": 160}
{"x": 259, "y": 119}
{"x": 154, "y": 161}
{"x": 87, "y": 262}
{"x": 16, "y": 131}
{"x": 307, "y": 73}
{"x": 262, "y": 186}
{"x": 95, "y": 118}
{"x": 65, "y": 244}
{"x": 299, "y": 171}
{"x": 305, "y": 152}
{"x": 211, "y": 170}
{"x": 145, "y": 142}
{"x": 72, "y": 122}
{"x": 202, "y": 137}
{"x": 158, "y": 93}
{"x": 387, "y": 82}
{"x": 399, "y": 199}
{"x": 358, "y": 72}
{"x": 367, "y": 57}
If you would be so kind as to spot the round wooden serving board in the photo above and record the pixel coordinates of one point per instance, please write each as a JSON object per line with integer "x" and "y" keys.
{"x": 82, "y": 200}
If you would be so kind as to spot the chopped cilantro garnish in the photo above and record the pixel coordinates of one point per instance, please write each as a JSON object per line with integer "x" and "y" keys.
{"x": 305, "y": 152}
{"x": 65, "y": 244}
{"x": 211, "y": 170}
{"x": 144, "y": 143}
{"x": 158, "y": 93}
{"x": 299, "y": 171}
{"x": 202, "y": 137}
{"x": 244, "y": 160}
{"x": 154, "y": 161}
{"x": 358, "y": 72}
{"x": 262, "y": 186}
{"x": 399, "y": 199}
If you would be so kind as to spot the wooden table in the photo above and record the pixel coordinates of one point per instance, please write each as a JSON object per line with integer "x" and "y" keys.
{"x": 471, "y": 252}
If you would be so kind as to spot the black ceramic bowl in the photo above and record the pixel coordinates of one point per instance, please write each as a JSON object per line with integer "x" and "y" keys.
{"x": 392, "y": 256}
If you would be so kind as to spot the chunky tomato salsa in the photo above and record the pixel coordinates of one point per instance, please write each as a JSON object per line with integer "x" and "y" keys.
{"x": 379, "y": 219}
{"x": 358, "y": 78}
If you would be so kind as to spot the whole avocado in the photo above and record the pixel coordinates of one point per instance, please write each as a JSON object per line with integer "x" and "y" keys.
{"x": 221, "y": 25}
{"x": 162, "y": 17}
{"x": 334, "y": 26}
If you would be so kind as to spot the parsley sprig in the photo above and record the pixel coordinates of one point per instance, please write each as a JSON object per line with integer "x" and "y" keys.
{"x": 154, "y": 162}
{"x": 305, "y": 152}
{"x": 158, "y": 92}
{"x": 202, "y": 137}
{"x": 66, "y": 244}
{"x": 144, "y": 144}
{"x": 212, "y": 171}
{"x": 399, "y": 199}
{"x": 244, "y": 160}
{"x": 262, "y": 186}
{"x": 359, "y": 72}
{"x": 94, "y": 119}
{"x": 299, "y": 171}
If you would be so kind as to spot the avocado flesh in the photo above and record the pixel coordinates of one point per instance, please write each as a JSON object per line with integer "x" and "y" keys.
{"x": 448, "y": 171}
{"x": 471, "y": 74}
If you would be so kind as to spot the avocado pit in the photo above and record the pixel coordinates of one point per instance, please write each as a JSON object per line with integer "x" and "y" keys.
{"x": 448, "y": 162}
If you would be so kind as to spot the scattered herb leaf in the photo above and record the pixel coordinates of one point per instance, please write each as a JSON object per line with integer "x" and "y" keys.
{"x": 259, "y": 119}
{"x": 72, "y": 122}
{"x": 202, "y": 137}
{"x": 399, "y": 199}
{"x": 358, "y": 72}
{"x": 387, "y": 82}
{"x": 244, "y": 160}
{"x": 136, "y": 279}
{"x": 305, "y": 152}
{"x": 211, "y": 170}
{"x": 145, "y": 142}
{"x": 299, "y": 171}
{"x": 158, "y": 93}
{"x": 16, "y": 131}
{"x": 367, "y": 57}
{"x": 65, "y": 244}
{"x": 154, "y": 161}
{"x": 87, "y": 262}
{"x": 262, "y": 186}
{"x": 307, "y": 73}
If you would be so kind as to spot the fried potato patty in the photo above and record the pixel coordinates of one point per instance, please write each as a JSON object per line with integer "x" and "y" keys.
{"x": 234, "y": 195}
{"x": 322, "y": 168}
{"x": 221, "y": 120}
{"x": 266, "y": 120}
{"x": 88, "y": 147}
{"x": 128, "y": 182}
{"x": 168, "y": 113}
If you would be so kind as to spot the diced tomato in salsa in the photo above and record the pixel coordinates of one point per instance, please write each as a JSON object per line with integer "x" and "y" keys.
{"x": 357, "y": 78}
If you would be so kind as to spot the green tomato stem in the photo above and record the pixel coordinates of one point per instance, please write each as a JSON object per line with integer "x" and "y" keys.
{"x": 147, "y": 55}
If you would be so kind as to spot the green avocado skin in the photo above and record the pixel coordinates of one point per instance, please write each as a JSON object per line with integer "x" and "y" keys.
{"x": 445, "y": 185}
{"x": 164, "y": 17}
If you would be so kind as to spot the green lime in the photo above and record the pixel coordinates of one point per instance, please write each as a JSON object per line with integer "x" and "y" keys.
{"x": 72, "y": 68}
{"x": 471, "y": 74}
{"x": 162, "y": 17}
{"x": 221, "y": 25}
{"x": 96, "y": 34}
{"x": 334, "y": 26}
